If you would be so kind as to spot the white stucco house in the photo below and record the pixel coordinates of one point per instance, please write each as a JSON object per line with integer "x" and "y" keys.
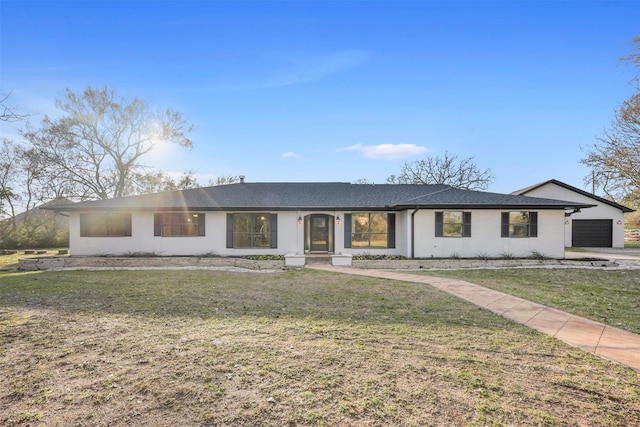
{"x": 297, "y": 219}
{"x": 599, "y": 226}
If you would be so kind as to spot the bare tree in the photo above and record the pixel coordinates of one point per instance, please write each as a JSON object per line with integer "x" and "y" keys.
{"x": 9, "y": 170}
{"x": 9, "y": 113}
{"x": 223, "y": 180}
{"x": 19, "y": 178}
{"x": 363, "y": 181}
{"x": 449, "y": 169}
{"x": 615, "y": 158}
{"x": 633, "y": 60}
{"x": 155, "y": 182}
{"x": 9, "y": 164}
{"x": 21, "y": 186}
{"x": 97, "y": 145}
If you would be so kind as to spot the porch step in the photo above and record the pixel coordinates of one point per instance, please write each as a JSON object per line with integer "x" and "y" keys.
{"x": 317, "y": 259}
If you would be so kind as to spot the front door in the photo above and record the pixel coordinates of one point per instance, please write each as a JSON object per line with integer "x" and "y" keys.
{"x": 319, "y": 233}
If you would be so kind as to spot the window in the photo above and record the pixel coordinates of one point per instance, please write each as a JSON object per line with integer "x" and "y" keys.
{"x": 179, "y": 224}
{"x": 105, "y": 225}
{"x": 519, "y": 224}
{"x": 453, "y": 224}
{"x": 252, "y": 230}
{"x": 370, "y": 230}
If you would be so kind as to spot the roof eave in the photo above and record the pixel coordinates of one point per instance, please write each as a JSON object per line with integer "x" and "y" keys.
{"x": 613, "y": 204}
{"x": 226, "y": 208}
{"x": 497, "y": 206}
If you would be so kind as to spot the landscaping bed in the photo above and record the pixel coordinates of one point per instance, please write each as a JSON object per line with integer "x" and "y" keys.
{"x": 35, "y": 263}
{"x": 106, "y": 262}
{"x": 455, "y": 264}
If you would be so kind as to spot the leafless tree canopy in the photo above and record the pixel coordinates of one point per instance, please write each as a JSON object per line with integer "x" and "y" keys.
{"x": 363, "y": 181}
{"x": 93, "y": 150}
{"x": 225, "y": 179}
{"x": 449, "y": 169}
{"x": 21, "y": 190}
{"x": 8, "y": 112}
{"x": 96, "y": 146}
{"x": 615, "y": 156}
{"x": 633, "y": 60}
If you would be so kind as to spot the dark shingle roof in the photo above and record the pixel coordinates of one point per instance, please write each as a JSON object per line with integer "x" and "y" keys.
{"x": 319, "y": 196}
{"x": 524, "y": 191}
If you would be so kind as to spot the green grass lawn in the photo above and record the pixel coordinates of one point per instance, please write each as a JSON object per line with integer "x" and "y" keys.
{"x": 608, "y": 296}
{"x": 292, "y": 348}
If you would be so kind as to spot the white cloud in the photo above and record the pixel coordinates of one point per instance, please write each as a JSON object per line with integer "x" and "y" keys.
{"x": 288, "y": 155}
{"x": 388, "y": 151}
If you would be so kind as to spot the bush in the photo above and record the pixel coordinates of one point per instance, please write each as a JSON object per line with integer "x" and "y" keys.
{"x": 264, "y": 257}
{"x": 377, "y": 257}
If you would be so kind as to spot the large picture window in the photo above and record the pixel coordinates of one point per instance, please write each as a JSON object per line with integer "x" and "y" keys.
{"x": 370, "y": 230}
{"x": 179, "y": 224}
{"x": 252, "y": 230}
{"x": 519, "y": 224}
{"x": 453, "y": 224}
{"x": 105, "y": 225}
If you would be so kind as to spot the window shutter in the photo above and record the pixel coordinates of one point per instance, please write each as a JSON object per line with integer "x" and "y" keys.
{"x": 83, "y": 225}
{"x": 391, "y": 230}
{"x": 127, "y": 224}
{"x": 274, "y": 231}
{"x": 201, "y": 222}
{"x": 533, "y": 224}
{"x": 229, "y": 230}
{"x": 439, "y": 226}
{"x": 347, "y": 230}
{"x": 466, "y": 224}
{"x": 505, "y": 224}
{"x": 157, "y": 224}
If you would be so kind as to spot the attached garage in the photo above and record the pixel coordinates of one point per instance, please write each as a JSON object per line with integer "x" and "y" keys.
{"x": 592, "y": 233}
{"x": 599, "y": 226}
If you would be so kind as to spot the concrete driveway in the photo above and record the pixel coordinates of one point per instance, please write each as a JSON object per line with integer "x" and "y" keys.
{"x": 612, "y": 254}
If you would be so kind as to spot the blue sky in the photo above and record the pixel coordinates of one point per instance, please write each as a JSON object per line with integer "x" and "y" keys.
{"x": 340, "y": 90}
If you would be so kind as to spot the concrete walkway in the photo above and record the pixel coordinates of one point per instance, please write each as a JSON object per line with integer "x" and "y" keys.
{"x": 604, "y": 341}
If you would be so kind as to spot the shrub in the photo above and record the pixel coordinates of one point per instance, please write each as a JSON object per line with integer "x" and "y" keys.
{"x": 538, "y": 255}
{"x": 264, "y": 257}
{"x": 507, "y": 255}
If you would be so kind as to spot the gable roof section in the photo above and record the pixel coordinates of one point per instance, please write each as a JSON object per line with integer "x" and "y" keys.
{"x": 524, "y": 191}
{"x": 467, "y": 199}
{"x": 41, "y": 212}
{"x": 321, "y": 196}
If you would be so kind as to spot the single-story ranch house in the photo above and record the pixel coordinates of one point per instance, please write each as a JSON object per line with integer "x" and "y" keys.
{"x": 297, "y": 219}
{"x": 600, "y": 226}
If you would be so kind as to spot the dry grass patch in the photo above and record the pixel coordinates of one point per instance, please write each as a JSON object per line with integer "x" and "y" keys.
{"x": 293, "y": 348}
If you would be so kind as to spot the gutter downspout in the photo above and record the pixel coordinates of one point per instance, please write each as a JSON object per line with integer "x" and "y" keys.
{"x": 413, "y": 233}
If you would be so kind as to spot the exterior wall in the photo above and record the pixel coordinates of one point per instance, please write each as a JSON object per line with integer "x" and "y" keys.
{"x": 142, "y": 240}
{"x": 485, "y": 240}
{"x": 601, "y": 211}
